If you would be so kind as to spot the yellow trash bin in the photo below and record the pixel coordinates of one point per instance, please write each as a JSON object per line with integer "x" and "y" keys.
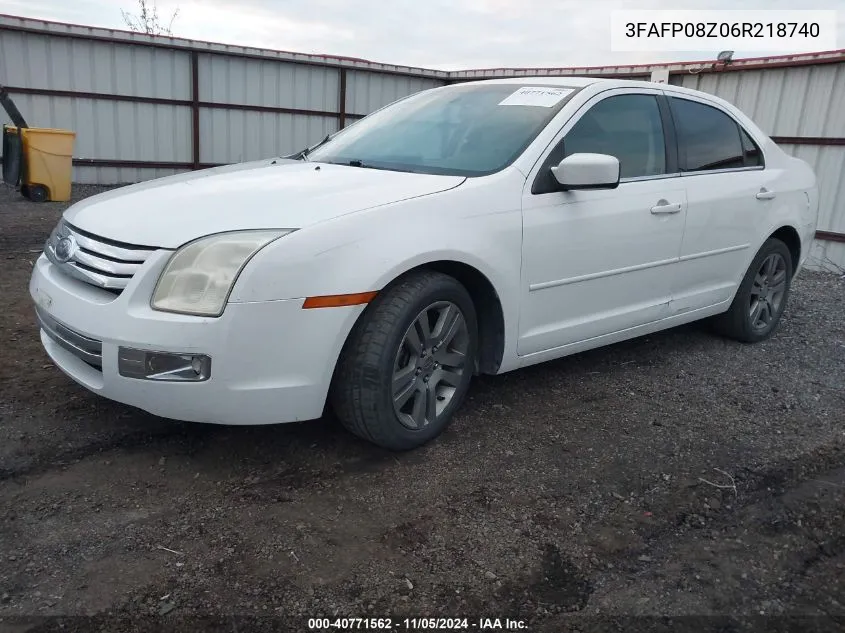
{"x": 47, "y": 164}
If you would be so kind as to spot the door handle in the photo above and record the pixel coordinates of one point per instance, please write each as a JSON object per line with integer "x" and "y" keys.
{"x": 664, "y": 207}
{"x": 765, "y": 194}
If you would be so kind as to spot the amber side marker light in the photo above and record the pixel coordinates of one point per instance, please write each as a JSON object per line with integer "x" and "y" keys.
{"x": 337, "y": 301}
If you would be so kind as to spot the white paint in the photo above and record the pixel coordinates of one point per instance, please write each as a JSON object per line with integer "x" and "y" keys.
{"x": 579, "y": 170}
{"x": 573, "y": 270}
{"x": 608, "y": 243}
{"x": 257, "y": 195}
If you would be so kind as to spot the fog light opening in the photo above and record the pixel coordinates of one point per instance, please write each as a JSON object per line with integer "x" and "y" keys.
{"x": 164, "y": 366}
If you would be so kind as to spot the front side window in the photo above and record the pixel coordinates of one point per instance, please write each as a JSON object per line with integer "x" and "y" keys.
{"x": 707, "y": 137}
{"x": 463, "y": 130}
{"x": 628, "y": 127}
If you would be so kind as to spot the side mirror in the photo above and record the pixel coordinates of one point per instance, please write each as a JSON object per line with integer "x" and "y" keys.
{"x": 588, "y": 171}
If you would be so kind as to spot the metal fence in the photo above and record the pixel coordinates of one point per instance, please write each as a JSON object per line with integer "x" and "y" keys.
{"x": 801, "y": 107}
{"x": 145, "y": 107}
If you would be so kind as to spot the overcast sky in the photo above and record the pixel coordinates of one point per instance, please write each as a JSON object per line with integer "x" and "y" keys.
{"x": 445, "y": 34}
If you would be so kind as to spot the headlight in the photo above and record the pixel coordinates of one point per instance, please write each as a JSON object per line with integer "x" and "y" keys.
{"x": 200, "y": 275}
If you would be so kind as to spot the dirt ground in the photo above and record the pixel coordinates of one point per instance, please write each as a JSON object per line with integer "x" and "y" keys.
{"x": 678, "y": 475}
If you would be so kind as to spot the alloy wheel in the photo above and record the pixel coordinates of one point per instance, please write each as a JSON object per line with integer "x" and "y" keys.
{"x": 767, "y": 292}
{"x": 429, "y": 365}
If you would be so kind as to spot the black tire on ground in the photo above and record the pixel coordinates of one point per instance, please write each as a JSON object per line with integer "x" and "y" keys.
{"x": 362, "y": 393}
{"x": 37, "y": 193}
{"x": 739, "y": 321}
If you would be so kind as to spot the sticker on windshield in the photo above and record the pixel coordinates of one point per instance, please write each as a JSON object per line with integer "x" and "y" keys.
{"x": 536, "y": 96}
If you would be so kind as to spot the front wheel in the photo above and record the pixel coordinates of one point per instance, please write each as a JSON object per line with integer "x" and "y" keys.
{"x": 761, "y": 298}
{"x": 408, "y": 363}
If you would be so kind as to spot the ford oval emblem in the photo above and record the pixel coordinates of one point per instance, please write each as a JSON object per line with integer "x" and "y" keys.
{"x": 65, "y": 248}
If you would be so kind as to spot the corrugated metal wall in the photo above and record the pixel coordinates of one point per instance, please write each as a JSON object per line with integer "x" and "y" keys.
{"x": 799, "y": 101}
{"x": 233, "y": 135}
{"x": 113, "y": 130}
{"x": 829, "y": 164}
{"x": 131, "y": 99}
{"x": 106, "y": 129}
{"x": 367, "y": 91}
{"x": 34, "y": 60}
{"x": 145, "y": 107}
{"x": 802, "y": 101}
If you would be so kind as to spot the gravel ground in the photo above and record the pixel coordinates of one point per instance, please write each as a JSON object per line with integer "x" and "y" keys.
{"x": 679, "y": 474}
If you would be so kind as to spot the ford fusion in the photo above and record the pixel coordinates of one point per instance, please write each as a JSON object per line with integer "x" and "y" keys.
{"x": 473, "y": 228}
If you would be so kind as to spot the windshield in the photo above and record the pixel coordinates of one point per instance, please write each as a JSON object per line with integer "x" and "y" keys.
{"x": 469, "y": 130}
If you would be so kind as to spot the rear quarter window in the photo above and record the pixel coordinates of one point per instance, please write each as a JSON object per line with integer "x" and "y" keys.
{"x": 752, "y": 152}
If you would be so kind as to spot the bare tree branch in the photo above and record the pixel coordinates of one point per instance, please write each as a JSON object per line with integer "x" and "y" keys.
{"x": 147, "y": 19}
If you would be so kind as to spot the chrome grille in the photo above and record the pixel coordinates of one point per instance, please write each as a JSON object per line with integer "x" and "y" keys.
{"x": 94, "y": 260}
{"x": 83, "y": 347}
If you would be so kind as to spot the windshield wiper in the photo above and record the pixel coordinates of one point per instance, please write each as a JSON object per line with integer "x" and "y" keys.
{"x": 303, "y": 154}
{"x": 357, "y": 162}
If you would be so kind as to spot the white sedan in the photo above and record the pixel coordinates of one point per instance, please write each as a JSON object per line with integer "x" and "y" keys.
{"x": 473, "y": 228}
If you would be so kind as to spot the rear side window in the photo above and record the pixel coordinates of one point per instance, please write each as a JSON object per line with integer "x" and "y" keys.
{"x": 707, "y": 137}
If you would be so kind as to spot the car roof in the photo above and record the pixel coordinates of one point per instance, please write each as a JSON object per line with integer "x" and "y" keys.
{"x": 567, "y": 81}
{"x": 601, "y": 83}
{"x": 604, "y": 83}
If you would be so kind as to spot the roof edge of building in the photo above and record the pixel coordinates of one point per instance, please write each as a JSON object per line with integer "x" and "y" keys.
{"x": 51, "y": 27}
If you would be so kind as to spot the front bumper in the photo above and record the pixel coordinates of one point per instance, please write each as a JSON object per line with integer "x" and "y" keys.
{"x": 271, "y": 361}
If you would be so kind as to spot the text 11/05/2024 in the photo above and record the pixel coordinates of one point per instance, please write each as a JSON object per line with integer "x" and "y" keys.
{"x": 416, "y": 624}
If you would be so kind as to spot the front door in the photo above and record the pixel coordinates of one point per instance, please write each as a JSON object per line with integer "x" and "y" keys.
{"x": 596, "y": 262}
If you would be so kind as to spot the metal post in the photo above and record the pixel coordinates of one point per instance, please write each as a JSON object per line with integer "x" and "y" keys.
{"x": 341, "y": 108}
{"x": 195, "y": 109}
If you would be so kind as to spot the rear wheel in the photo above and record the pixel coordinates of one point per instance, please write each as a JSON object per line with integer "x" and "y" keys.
{"x": 761, "y": 298}
{"x": 407, "y": 365}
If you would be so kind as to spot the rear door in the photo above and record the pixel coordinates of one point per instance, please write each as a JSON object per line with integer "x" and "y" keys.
{"x": 729, "y": 193}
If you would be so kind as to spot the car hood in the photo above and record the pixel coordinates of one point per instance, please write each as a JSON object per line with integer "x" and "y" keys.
{"x": 282, "y": 193}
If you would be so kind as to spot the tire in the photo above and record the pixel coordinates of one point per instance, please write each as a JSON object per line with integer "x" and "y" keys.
{"x": 752, "y": 319}
{"x": 392, "y": 386}
{"x": 37, "y": 193}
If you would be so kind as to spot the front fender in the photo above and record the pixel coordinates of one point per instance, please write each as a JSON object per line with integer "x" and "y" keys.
{"x": 478, "y": 224}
